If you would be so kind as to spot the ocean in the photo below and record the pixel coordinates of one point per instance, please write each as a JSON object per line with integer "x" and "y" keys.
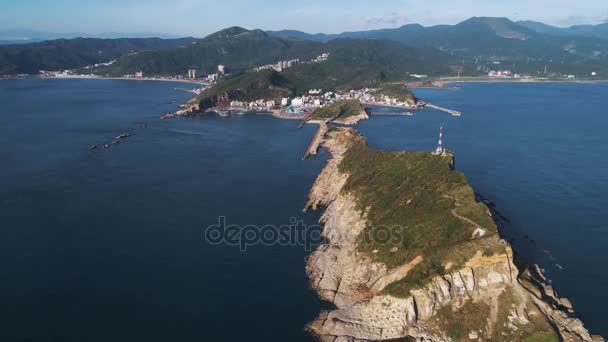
{"x": 111, "y": 244}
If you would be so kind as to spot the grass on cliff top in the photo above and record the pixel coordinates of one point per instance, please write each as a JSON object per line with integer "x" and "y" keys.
{"x": 476, "y": 316}
{"x": 397, "y": 90}
{"x": 341, "y": 109}
{"x": 409, "y": 199}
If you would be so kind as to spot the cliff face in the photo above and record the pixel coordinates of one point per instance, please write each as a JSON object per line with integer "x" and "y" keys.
{"x": 481, "y": 298}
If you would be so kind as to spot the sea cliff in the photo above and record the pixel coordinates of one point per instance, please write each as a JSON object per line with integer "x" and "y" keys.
{"x": 448, "y": 277}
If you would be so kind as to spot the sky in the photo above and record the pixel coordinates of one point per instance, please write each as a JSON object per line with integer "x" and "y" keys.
{"x": 201, "y": 17}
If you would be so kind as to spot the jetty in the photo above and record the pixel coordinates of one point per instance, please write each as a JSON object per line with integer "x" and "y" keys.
{"x": 392, "y": 114}
{"x": 449, "y": 111}
{"x": 316, "y": 140}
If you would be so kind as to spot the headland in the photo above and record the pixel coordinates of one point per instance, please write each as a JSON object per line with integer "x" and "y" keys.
{"x": 410, "y": 254}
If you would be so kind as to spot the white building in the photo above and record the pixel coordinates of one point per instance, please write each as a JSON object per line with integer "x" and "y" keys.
{"x": 285, "y": 101}
{"x": 297, "y": 102}
{"x": 139, "y": 74}
{"x": 192, "y": 73}
{"x": 221, "y": 69}
{"x": 314, "y": 91}
{"x": 236, "y": 104}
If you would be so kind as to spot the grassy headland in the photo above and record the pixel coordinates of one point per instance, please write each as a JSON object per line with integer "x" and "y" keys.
{"x": 250, "y": 86}
{"x": 337, "y": 110}
{"x": 397, "y": 90}
{"x": 429, "y": 210}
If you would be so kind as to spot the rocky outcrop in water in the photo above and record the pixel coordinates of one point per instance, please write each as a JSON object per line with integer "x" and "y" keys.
{"x": 484, "y": 298}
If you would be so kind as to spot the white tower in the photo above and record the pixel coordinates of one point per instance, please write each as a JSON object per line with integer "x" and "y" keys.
{"x": 439, "y": 149}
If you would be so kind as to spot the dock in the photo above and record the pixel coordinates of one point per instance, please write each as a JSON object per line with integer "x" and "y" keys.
{"x": 449, "y": 111}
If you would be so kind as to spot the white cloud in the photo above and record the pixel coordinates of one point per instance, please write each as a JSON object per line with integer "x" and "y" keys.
{"x": 391, "y": 19}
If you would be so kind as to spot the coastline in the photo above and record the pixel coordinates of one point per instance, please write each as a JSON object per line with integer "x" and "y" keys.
{"x": 511, "y": 80}
{"x": 344, "y": 276}
{"x": 157, "y": 79}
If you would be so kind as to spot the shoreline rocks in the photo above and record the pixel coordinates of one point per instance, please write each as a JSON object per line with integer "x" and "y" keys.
{"x": 351, "y": 281}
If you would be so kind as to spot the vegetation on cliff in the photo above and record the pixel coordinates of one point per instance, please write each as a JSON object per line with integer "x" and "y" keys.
{"x": 473, "y": 316}
{"x": 415, "y": 205}
{"x": 337, "y": 110}
{"x": 398, "y": 91}
{"x": 266, "y": 84}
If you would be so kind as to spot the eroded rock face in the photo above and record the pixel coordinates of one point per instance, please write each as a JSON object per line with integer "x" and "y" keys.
{"x": 349, "y": 279}
{"x": 353, "y": 119}
{"x": 385, "y": 317}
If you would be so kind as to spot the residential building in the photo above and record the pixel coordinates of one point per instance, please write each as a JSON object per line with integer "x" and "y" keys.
{"x": 297, "y": 102}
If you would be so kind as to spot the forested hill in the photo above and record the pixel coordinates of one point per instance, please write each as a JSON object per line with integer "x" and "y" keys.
{"x": 350, "y": 61}
{"x": 235, "y": 47}
{"x": 493, "y": 39}
{"x": 76, "y": 53}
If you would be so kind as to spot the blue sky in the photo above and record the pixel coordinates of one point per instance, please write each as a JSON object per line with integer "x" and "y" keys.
{"x": 201, "y": 17}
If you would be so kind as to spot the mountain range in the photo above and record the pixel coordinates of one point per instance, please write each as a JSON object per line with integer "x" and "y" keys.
{"x": 502, "y": 26}
{"x": 472, "y": 47}
{"x": 487, "y": 37}
{"x": 592, "y": 31}
{"x": 32, "y": 36}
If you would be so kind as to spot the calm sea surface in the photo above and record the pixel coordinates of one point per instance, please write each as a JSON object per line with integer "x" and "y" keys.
{"x": 108, "y": 245}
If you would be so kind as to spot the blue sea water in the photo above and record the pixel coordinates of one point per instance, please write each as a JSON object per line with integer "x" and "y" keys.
{"x": 108, "y": 245}
{"x": 538, "y": 153}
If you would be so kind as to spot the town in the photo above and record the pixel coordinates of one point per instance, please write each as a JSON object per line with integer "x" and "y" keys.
{"x": 316, "y": 98}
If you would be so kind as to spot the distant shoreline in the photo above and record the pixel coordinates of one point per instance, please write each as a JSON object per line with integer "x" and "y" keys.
{"x": 513, "y": 80}
{"x": 161, "y": 79}
{"x": 158, "y": 79}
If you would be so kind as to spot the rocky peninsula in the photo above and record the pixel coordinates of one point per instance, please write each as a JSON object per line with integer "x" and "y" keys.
{"x": 411, "y": 255}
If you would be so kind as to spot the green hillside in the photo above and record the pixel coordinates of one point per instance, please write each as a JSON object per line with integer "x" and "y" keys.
{"x": 481, "y": 41}
{"x": 235, "y": 47}
{"x": 398, "y": 91}
{"x": 357, "y": 63}
{"x": 337, "y": 110}
{"x": 75, "y": 53}
{"x": 266, "y": 84}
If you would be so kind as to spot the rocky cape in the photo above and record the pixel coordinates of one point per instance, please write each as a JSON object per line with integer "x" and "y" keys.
{"x": 516, "y": 302}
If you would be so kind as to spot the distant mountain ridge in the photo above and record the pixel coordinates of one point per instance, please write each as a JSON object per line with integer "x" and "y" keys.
{"x": 593, "y": 31}
{"x": 236, "y": 47}
{"x": 502, "y": 26}
{"x": 473, "y": 47}
{"x": 492, "y": 39}
{"x": 76, "y": 53}
{"x": 352, "y": 61}
{"x": 33, "y": 36}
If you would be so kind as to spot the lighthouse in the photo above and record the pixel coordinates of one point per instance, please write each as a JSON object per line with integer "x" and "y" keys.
{"x": 439, "y": 149}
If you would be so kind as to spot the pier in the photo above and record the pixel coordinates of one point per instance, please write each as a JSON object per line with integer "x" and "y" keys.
{"x": 392, "y": 114}
{"x": 316, "y": 140}
{"x": 449, "y": 111}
